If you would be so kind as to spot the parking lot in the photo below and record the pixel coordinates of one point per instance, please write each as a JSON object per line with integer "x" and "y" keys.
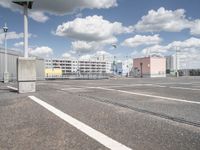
{"x": 138, "y": 114}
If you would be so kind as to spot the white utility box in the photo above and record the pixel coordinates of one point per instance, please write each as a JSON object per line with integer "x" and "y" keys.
{"x": 26, "y": 75}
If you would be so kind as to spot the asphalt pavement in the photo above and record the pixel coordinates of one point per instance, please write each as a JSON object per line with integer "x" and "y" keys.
{"x": 138, "y": 114}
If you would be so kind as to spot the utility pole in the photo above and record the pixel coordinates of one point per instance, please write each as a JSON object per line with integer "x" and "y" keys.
{"x": 26, "y": 4}
{"x": 26, "y": 67}
{"x": 177, "y": 73}
{"x": 6, "y": 74}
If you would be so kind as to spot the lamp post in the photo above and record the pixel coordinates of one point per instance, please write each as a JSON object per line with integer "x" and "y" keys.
{"x": 177, "y": 73}
{"x": 6, "y": 74}
{"x": 27, "y": 4}
{"x": 26, "y": 67}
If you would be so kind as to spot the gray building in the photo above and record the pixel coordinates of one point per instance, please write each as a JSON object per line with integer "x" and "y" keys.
{"x": 12, "y": 65}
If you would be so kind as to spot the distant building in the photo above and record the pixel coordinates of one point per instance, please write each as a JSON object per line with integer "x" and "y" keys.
{"x": 185, "y": 66}
{"x": 73, "y": 67}
{"x": 171, "y": 65}
{"x": 12, "y": 65}
{"x": 153, "y": 66}
{"x": 123, "y": 68}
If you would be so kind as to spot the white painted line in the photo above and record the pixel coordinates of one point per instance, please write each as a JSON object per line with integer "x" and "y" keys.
{"x": 183, "y": 88}
{"x": 155, "y": 85}
{"x": 134, "y": 85}
{"x": 72, "y": 88}
{"x": 96, "y": 135}
{"x": 13, "y": 88}
{"x": 148, "y": 95}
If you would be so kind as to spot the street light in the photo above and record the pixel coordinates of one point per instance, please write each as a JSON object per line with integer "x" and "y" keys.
{"x": 26, "y": 67}
{"x": 6, "y": 74}
{"x": 27, "y": 4}
{"x": 177, "y": 73}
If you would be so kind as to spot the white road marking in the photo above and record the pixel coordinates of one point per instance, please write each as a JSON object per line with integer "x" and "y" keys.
{"x": 79, "y": 88}
{"x": 13, "y": 88}
{"x": 96, "y": 135}
{"x": 183, "y": 88}
{"x": 148, "y": 95}
{"x": 155, "y": 85}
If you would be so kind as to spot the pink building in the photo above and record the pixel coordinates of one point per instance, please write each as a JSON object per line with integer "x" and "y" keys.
{"x": 153, "y": 66}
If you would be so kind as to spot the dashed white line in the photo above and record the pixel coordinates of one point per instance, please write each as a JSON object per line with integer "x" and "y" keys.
{"x": 96, "y": 135}
{"x": 13, "y": 88}
{"x": 148, "y": 95}
{"x": 183, "y": 88}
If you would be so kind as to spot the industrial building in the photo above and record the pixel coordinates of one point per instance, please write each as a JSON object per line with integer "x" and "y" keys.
{"x": 152, "y": 66}
{"x": 78, "y": 67}
{"x": 12, "y": 65}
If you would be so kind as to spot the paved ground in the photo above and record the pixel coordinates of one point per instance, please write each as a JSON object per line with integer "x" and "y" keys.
{"x": 138, "y": 114}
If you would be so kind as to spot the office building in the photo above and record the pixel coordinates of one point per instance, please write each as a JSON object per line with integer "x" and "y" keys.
{"x": 73, "y": 67}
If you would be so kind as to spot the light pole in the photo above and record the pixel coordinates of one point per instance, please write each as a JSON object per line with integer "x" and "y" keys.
{"x": 26, "y": 67}
{"x": 177, "y": 73}
{"x": 27, "y": 4}
{"x": 6, "y": 74}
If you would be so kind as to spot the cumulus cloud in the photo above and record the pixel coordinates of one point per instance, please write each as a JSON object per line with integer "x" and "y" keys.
{"x": 92, "y": 28}
{"x": 43, "y": 51}
{"x": 97, "y": 56}
{"x": 82, "y": 47}
{"x": 62, "y": 7}
{"x": 156, "y": 49}
{"x": 66, "y": 55}
{"x": 195, "y": 27}
{"x": 69, "y": 55}
{"x": 142, "y": 40}
{"x": 163, "y": 20}
{"x": 38, "y": 16}
{"x": 19, "y": 44}
{"x": 11, "y": 36}
{"x": 91, "y": 33}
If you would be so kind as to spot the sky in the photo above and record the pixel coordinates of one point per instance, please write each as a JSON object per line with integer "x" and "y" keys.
{"x": 121, "y": 28}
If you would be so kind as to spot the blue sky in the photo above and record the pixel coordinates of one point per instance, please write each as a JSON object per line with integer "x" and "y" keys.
{"x": 126, "y": 12}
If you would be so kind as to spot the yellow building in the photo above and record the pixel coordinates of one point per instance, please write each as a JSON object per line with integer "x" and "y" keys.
{"x": 53, "y": 72}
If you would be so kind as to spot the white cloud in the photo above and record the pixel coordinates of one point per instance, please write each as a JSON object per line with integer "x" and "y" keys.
{"x": 43, "y": 51}
{"x": 142, "y": 40}
{"x": 19, "y": 44}
{"x": 92, "y": 28}
{"x": 92, "y": 33}
{"x": 82, "y": 47}
{"x": 66, "y": 55}
{"x": 11, "y": 36}
{"x": 187, "y": 44}
{"x": 69, "y": 55}
{"x": 156, "y": 49}
{"x": 195, "y": 27}
{"x": 163, "y": 20}
{"x": 97, "y": 56}
{"x": 86, "y": 57}
{"x": 62, "y": 7}
{"x": 38, "y": 16}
